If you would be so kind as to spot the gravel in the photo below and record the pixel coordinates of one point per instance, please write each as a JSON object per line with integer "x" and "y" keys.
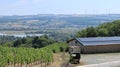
{"x": 100, "y": 60}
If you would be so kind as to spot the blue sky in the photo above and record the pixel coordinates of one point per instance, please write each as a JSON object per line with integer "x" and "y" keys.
{"x": 30, "y": 7}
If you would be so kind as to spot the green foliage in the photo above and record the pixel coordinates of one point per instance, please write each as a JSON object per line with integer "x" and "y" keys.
{"x": 58, "y": 47}
{"x": 35, "y": 42}
{"x": 17, "y": 43}
{"x": 93, "y": 30}
{"x": 6, "y": 40}
{"x": 24, "y": 55}
{"x": 90, "y": 31}
{"x": 105, "y": 29}
{"x": 103, "y": 32}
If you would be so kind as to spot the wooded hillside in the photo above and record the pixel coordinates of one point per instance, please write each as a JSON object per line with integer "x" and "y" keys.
{"x": 105, "y": 29}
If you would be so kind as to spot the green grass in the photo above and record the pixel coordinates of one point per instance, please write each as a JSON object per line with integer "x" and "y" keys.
{"x": 58, "y": 47}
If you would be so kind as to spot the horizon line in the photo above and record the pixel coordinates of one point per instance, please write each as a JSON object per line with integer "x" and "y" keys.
{"x": 61, "y": 14}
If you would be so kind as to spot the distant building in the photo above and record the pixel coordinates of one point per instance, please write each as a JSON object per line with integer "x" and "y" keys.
{"x": 95, "y": 45}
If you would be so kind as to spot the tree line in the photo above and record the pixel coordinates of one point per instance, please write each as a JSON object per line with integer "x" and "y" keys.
{"x": 103, "y": 30}
{"x": 35, "y": 42}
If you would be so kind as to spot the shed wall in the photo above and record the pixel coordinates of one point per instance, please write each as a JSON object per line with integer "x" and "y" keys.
{"x": 96, "y": 48}
{"x": 101, "y": 48}
{"x": 75, "y": 43}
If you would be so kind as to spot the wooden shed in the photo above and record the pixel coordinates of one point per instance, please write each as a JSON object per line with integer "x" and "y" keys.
{"x": 96, "y": 44}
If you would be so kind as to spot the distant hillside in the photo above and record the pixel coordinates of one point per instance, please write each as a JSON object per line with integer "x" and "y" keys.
{"x": 51, "y": 21}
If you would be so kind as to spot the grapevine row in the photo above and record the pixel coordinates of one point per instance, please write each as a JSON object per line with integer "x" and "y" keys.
{"x": 24, "y": 56}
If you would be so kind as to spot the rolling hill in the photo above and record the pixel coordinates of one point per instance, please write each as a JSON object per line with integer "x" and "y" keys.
{"x": 52, "y": 21}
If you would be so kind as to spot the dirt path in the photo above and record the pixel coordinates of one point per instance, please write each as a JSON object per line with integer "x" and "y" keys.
{"x": 60, "y": 60}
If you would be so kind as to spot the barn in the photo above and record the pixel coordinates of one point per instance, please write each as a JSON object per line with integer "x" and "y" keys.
{"x": 95, "y": 44}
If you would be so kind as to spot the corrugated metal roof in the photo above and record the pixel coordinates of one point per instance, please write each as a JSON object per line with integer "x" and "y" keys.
{"x": 99, "y": 40}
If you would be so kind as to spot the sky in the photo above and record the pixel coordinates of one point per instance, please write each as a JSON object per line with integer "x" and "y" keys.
{"x": 33, "y": 7}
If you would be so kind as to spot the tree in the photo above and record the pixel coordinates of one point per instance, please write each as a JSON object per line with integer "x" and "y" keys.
{"x": 39, "y": 42}
{"x": 91, "y": 32}
{"x": 103, "y": 32}
{"x": 24, "y": 40}
{"x": 82, "y": 33}
{"x": 105, "y": 29}
{"x": 35, "y": 40}
{"x": 17, "y": 43}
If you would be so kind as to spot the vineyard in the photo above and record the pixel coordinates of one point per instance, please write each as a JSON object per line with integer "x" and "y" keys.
{"x": 27, "y": 57}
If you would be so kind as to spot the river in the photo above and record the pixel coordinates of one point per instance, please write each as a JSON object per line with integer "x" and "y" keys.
{"x": 21, "y": 35}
